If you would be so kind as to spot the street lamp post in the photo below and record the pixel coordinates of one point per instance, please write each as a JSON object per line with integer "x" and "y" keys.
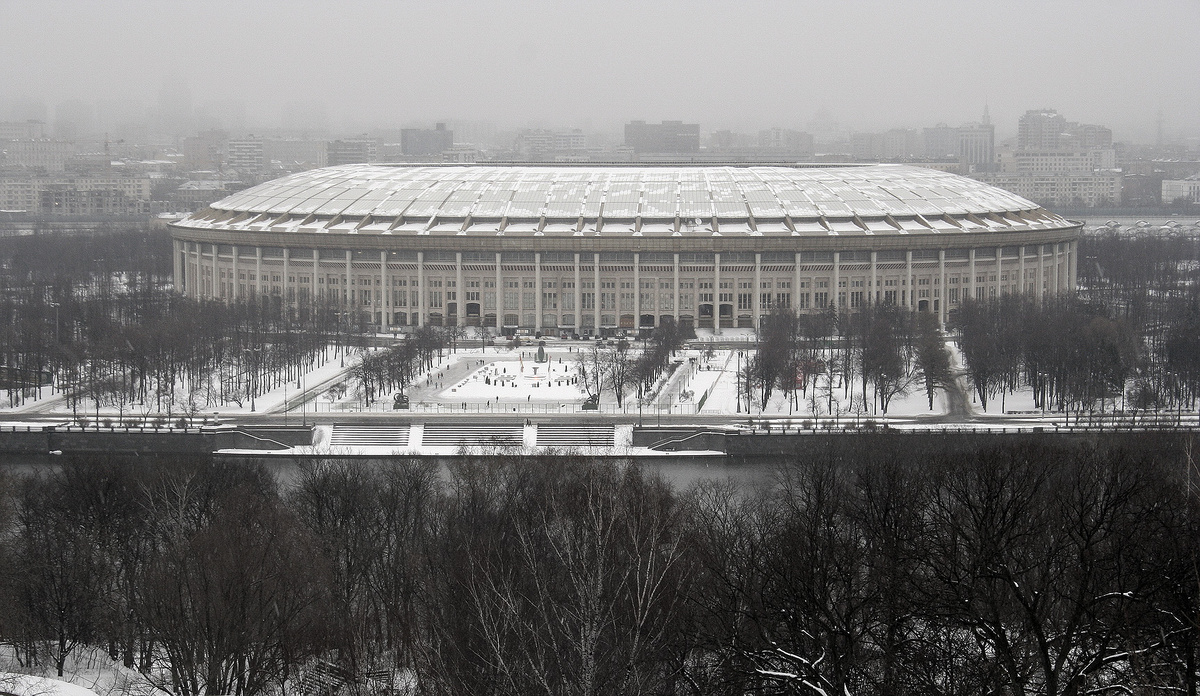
{"x": 737, "y": 376}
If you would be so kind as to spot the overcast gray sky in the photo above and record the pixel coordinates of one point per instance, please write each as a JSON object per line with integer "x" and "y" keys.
{"x": 735, "y": 64}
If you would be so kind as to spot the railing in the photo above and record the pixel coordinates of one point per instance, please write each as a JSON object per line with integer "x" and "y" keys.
{"x": 629, "y": 408}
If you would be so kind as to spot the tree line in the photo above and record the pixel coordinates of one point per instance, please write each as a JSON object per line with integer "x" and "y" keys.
{"x": 149, "y": 352}
{"x": 94, "y": 317}
{"x": 1021, "y": 567}
{"x": 1128, "y": 339}
{"x": 619, "y": 368}
{"x": 853, "y": 362}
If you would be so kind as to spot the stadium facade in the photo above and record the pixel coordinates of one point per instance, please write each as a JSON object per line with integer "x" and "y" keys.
{"x": 593, "y": 250}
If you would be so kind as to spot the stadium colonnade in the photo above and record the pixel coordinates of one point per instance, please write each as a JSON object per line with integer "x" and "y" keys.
{"x": 597, "y": 250}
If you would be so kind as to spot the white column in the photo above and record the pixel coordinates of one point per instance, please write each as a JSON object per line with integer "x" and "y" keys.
{"x": 754, "y": 296}
{"x": 971, "y": 266}
{"x": 912, "y": 290}
{"x": 1021, "y": 269}
{"x": 837, "y": 279}
{"x": 716, "y": 309}
{"x": 999, "y": 271}
{"x": 1041, "y": 272}
{"x": 941, "y": 291}
{"x": 258, "y": 273}
{"x": 796, "y": 284}
{"x": 578, "y": 299}
{"x": 460, "y": 292}
{"x": 421, "y": 317}
{"x": 385, "y": 299}
{"x": 637, "y": 291}
{"x": 177, "y": 249}
{"x": 596, "y": 292}
{"x": 1073, "y": 260}
{"x": 537, "y": 297}
{"x": 1057, "y": 264}
{"x": 316, "y": 270}
{"x": 499, "y": 296}
{"x": 675, "y": 304}
{"x": 287, "y": 253}
{"x": 235, "y": 291}
{"x": 873, "y": 295}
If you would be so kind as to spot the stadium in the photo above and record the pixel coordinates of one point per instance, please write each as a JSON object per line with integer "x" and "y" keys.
{"x": 598, "y": 250}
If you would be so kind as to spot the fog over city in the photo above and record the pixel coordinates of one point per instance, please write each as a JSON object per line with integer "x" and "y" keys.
{"x": 740, "y": 65}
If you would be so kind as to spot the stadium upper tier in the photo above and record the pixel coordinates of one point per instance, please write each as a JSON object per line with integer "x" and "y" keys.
{"x": 615, "y": 201}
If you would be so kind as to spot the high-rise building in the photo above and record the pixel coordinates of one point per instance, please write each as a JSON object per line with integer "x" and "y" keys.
{"x": 245, "y": 155}
{"x": 668, "y": 137}
{"x": 1059, "y": 162}
{"x": 544, "y": 144}
{"x": 785, "y": 141}
{"x": 941, "y": 142}
{"x": 424, "y": 142}
{"x": 39, "y": 153}
{"x": 351, "y": 151}
{"x": 977, "y": 147}
{"x": 204, "y": 151}
{"x": 295, "y": 152}
{"x": 1046, "y": 129}
{"x": 1040, "y": 129}
{"x": 22, "y": 130}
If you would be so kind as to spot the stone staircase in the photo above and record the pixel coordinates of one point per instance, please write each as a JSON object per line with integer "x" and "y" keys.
{"x": 390, "y": 435}
{"x": 575, "y": 436}
{"x": 503, "y": 434}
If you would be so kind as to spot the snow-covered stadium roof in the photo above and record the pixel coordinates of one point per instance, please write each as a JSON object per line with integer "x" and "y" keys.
{"x": 632, "y": 200}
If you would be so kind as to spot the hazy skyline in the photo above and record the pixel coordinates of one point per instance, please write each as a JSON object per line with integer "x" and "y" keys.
{"x": 739, "y": 65}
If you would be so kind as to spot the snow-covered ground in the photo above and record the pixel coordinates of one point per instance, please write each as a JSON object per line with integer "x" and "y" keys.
{"x": 29, "y": 685}
{"x": 86, "y": 672}
{"x": 478, "y": 380}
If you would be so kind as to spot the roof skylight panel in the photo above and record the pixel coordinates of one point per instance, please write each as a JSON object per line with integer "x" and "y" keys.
{"x": 338, "y": 204}
{"x": 529, "y": 200}
{"x": 796, "y": 203}
{"x": 395, "y": 204}
{"x": 368, "y": 203}
{"x": 831, "y": 208}
{"x": 429, "y": 202}
{"x": 318, "y": 200}
{"x": 233, "y": 202}
{"x": 695, "y": 203}
{"x": 565, "y": 199}
{"x": 493, "y": 201}
{"x": 563, "y": 207}
{"x": 460, "y": 203}
{"x": 660, "y": 199}
{"x": 591, "y": 205}
{"x": 763, "y": 203}
{"x": 622, "y": 197}
{"x": 952, "y": 205}
{"x": 727, "y": 199}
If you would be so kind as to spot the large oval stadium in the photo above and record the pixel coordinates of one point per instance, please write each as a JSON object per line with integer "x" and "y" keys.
{"x": 594, "y": 250}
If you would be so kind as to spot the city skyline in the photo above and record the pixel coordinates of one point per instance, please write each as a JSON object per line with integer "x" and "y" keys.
{"x": 870, "y": 66}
